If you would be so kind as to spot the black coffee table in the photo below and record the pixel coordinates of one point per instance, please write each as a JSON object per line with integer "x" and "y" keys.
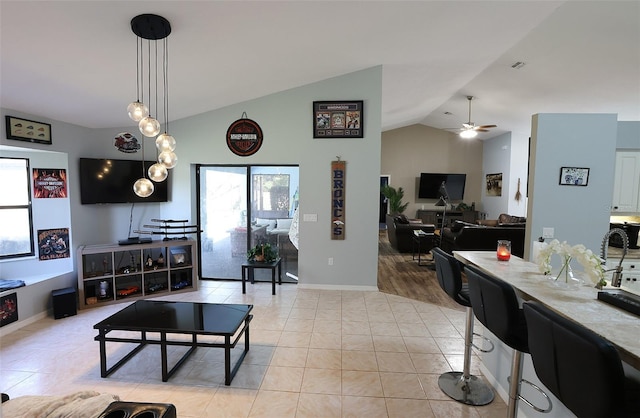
{"x": 163, "y": 317}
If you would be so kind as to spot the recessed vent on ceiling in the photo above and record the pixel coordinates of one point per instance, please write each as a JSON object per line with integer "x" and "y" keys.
{"x": 518, "y": 65}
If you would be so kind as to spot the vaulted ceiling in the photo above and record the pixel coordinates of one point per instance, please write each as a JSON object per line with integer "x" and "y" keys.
{"x": 75, "y": 61}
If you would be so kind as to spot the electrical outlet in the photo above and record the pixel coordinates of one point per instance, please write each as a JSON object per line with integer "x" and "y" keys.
{"x": 547, "y": 232}
{"x": 331, "y": 261}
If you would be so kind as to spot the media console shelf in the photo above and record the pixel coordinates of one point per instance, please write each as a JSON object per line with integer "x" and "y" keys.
{"x": 114, "y": 273}
{"x": 434, "y": 217}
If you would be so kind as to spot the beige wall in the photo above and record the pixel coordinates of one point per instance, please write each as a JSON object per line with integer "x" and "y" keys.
{"x": 409, "y": 151}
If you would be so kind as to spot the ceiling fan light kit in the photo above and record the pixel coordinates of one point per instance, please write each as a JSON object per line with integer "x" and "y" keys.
{"x": 470, "y": 130}
{"x": 468, "y": 134}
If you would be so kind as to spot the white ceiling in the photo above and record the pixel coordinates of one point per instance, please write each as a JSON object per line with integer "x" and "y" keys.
{"x": 74, "y": 61}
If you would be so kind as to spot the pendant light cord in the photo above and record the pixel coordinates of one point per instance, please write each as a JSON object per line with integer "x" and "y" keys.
{"x": 165, "y": 62}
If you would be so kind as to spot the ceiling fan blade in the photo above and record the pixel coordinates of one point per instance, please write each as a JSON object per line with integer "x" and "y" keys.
{"x": 478, "y": 129}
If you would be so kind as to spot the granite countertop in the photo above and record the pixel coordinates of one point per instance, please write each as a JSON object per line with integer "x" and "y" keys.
{"x": 581, "y": 305}
{"x": 615, "y": 252}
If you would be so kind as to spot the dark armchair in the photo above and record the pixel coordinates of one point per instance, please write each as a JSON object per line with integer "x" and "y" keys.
{"x": 400, "y": 232}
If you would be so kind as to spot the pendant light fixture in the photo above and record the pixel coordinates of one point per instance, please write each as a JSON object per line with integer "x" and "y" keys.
{"x": 154, "y": 28}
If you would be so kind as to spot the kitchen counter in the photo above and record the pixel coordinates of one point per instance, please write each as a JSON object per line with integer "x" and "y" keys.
{"x": 615, "y": 252}
{"x": 581, "y": 305}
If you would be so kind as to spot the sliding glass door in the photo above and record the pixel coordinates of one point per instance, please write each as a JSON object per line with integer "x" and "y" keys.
{"x": 240, "y": 207}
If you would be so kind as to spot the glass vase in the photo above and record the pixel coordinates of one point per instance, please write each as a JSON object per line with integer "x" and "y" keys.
{"x": 565, "y": 278}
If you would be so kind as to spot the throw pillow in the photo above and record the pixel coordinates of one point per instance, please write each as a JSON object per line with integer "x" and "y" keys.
{"x": 270, "y": 223}
{"x": 283, "y": 223}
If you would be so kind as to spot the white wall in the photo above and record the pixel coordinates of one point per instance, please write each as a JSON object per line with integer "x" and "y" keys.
{"x": 628, "y": 135}
{"x": 496, "y": 160}
{"x": 579, "y": 215}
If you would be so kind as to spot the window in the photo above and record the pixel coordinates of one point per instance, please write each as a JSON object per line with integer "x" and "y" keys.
{"x": 16, "y": 227}
{"x": 271, "y": 192}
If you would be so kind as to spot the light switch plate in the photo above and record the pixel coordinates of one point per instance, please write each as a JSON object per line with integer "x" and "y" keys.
{"x": 310, "y": 217}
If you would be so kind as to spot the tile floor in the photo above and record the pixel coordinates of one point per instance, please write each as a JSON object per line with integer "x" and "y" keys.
{"x": 314, "y": 353}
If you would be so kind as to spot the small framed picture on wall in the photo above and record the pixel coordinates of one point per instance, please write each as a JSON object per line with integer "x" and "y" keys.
{"x": 574, "y": 176}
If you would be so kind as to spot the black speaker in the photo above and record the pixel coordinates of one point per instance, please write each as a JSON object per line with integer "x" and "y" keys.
{"x": 64, "y": 302}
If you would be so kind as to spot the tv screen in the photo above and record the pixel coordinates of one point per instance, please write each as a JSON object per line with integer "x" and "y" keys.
{"x": 429, "y": 187}
{"x": 111, "y": 181}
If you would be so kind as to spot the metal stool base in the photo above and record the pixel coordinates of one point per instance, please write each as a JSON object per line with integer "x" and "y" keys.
{"x": 472, "y": 391}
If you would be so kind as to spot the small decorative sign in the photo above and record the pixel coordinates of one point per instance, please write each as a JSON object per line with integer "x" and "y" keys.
{"x": 53, "y": 243}
{"x": 126, "y": 142}
{"x": 338, "y": 196}
{"x": 574, "y": 176}
{"x": 28, "y": 130}
{"x": 49, "y": 183}
{"x": 8, "y": 309}
{"x": 339, "y": 119}
{"x": 244, "y": 137}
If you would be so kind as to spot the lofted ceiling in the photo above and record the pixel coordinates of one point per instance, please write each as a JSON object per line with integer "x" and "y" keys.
{"x": 74, "y": 61}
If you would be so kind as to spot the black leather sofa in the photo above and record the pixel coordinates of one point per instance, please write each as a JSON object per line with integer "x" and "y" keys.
{"x": 400, "y": 232}
{"x": 465, "y": 236}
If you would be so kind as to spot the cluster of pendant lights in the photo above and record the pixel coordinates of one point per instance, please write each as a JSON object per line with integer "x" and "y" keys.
{"x": 154, "y": 28}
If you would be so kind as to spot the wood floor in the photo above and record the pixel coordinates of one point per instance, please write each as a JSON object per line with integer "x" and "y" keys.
{"x": 399, "y": 274}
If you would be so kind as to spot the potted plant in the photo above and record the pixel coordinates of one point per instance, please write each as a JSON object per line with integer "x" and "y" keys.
{"x": 394, "y": 197}
{"x": 262, "y": 253}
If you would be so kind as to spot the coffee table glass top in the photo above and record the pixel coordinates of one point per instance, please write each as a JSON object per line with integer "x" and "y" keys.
{"x": 201, "y": 318}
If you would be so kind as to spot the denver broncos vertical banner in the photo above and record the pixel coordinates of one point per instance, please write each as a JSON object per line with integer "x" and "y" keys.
{"x": 338, "y": 196}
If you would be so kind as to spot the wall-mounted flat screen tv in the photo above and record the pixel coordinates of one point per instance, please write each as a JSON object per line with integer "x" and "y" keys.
{"x": 430, "y": 185}
{"x": 111, "y": 181}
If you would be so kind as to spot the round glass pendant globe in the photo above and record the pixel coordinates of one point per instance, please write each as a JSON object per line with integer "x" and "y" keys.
{"x": 143, "y": 187}
{"x": 469, "y": 133}
{"x": 149, "y": 126}
{"x": 158, "y": 172}
{"x": 165, "y": 142}
{"x": 137, "y": 111}
{"x": 168, "y": 158}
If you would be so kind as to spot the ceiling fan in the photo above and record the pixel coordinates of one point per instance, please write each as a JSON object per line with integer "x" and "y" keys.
{"x": 469, "y": 129}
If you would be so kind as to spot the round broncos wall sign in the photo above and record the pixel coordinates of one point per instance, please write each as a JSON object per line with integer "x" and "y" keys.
{"x": 244, "y": 137}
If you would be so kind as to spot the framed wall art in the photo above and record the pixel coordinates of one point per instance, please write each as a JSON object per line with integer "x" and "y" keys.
{"x": 574, "y": 176}
{"x": 494, "y": 184}
{"x": 28, "y": 130}
{"x": 338, "y": 119}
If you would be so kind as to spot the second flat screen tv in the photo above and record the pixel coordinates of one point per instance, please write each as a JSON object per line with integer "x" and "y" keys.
{"x": 430, "y": 185}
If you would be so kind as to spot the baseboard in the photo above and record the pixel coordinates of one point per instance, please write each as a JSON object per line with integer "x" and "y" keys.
{"x": 8, "y": 329}
{"x": 337, "y": 287}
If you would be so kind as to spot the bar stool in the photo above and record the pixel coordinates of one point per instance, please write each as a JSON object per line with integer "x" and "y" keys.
{"x": 461, "y": 386}
{"x": 582, "y": 369}
{"x": 495, "y": 304}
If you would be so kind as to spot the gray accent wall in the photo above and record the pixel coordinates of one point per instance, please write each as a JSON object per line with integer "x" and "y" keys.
{"x": 286, "y": 119}
{"x": 579, "y": 214}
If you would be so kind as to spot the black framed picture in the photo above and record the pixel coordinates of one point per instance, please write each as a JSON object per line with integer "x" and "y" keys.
{"x": 338, "y": 119}
{"x": 28, "y": 130}
{"x": 574, "y": 176}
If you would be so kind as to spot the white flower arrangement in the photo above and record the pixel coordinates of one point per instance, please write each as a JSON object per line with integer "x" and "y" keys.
{"x": 591, "y": 263}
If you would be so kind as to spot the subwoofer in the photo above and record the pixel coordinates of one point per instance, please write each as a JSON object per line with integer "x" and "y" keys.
{"x": 64, "y": 302}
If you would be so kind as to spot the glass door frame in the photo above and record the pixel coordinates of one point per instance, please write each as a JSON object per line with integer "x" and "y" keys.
{"x": 249, "y": 210}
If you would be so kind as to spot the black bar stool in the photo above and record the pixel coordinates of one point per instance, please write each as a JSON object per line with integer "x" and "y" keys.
{"x": 461, "y": 386}
{"x": 496, "y": 306}
{"x": 582, "y": 369}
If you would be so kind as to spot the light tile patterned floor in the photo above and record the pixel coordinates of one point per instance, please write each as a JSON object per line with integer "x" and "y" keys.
{"x": 314, "y": 353}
